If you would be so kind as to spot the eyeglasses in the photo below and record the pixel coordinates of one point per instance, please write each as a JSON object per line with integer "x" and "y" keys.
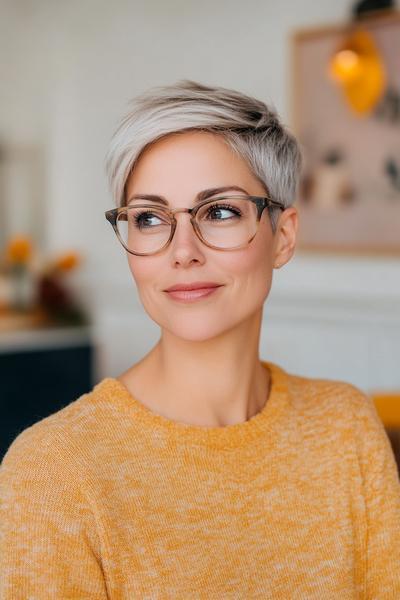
{"x": 223, "y": 223}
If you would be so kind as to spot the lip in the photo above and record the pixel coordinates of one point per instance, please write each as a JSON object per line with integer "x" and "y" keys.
{"x": 191, "y": 292}
{"x": 196, "y": 285}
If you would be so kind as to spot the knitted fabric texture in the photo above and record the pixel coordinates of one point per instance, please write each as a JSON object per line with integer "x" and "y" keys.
{"x": 105, "y": 499}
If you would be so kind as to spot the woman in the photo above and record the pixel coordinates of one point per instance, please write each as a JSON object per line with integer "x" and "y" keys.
{"x": 202, "y": 471}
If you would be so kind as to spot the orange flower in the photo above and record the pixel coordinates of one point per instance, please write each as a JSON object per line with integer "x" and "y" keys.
{"x": 67, "y": 261}
{"x": 19, "y": 250}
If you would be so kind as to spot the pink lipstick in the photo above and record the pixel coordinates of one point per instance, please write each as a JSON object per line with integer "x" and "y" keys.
{"x": 190, "y": 292}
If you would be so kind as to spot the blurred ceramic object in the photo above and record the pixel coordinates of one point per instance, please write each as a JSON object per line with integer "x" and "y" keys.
{"x": 329, "y": 185}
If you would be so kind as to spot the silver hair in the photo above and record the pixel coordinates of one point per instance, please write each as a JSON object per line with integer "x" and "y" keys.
{"x": 250, "y": 128}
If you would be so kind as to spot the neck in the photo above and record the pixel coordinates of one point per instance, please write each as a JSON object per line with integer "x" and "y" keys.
{"x": 212, "y": 383}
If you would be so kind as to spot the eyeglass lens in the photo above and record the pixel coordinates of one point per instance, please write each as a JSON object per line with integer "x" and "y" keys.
{"x": 225, "y": 223}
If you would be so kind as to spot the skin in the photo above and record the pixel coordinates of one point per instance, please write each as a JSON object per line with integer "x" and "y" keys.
{"x": 205, "y": 369}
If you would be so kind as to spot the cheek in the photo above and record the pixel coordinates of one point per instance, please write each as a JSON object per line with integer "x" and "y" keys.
{"x": 138, "y": 268}
{"x": 251, "y": 281}
{"x": 251, "y": 269}
{"x": 145, "y": 273}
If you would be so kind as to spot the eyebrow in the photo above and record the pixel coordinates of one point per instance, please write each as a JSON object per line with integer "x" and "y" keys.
{"x": 203, "y": 195}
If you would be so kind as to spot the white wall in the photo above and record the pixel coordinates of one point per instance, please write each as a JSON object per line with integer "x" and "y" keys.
{"x": 68, "y": 71}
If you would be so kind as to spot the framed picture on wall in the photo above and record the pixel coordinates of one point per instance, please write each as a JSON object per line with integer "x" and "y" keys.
{"x": 346, "y": 115}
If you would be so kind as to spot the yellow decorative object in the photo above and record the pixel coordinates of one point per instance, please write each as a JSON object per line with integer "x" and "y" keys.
{"x": 19, "y": 250}
{"x": 388, "y": 408}
{"x": 67, "y": 261}
{"x": 357, "y": 67}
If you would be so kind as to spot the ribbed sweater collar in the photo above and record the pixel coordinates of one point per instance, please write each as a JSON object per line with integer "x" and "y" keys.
{"x": 229, "y": 436}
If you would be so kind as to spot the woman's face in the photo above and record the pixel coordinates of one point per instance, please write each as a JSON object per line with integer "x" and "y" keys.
{"x": 178, "y": 167}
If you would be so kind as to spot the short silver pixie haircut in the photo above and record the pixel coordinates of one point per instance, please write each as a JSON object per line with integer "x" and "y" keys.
{"x": 249, "y": 127}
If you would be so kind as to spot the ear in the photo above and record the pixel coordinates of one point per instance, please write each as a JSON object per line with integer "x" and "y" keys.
{"x": 285, "y": 236}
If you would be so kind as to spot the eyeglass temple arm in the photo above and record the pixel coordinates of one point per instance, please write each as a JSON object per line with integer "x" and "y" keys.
{"x": 111, "y": 215}
{"x": 275, "y": 203}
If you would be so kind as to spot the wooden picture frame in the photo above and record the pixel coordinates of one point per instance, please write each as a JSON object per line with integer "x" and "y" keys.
{"x": 349, "y": 195}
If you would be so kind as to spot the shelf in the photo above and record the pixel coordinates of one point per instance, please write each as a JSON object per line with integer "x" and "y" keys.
{"x": 28, "y": 340}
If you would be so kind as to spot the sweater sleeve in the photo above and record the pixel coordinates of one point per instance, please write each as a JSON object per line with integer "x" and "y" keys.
{"x": 48, "y": 541}
{"x": 382, "y": 497}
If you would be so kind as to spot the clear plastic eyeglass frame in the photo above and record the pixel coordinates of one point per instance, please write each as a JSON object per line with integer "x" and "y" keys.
{"x": 261, "y": 203}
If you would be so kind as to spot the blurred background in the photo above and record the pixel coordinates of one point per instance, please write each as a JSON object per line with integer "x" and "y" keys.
{"x": 69, "y": 312}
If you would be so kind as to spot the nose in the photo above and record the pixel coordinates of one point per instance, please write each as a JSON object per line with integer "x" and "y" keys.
{"x": 185, "y": 247}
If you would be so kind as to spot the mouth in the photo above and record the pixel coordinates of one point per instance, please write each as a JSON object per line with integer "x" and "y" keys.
{"x": 192, "y": 292}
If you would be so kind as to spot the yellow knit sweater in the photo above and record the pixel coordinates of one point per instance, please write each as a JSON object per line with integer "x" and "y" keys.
{"x": 106, "y": 499}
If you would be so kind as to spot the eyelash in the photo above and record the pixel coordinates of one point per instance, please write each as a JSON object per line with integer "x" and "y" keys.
{"x": 223, "y": 207}
{"x": 137, "y": 217}
{"x": 215, "y": 206}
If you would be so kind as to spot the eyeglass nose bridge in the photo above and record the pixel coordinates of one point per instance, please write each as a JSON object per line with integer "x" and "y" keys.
{"x": 190, "y": 211}
{"x": 183, "y": 210}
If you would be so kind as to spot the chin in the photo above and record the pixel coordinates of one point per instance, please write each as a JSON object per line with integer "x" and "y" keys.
{"x": 197, "y": 332}
{"x": 201, "y": 323}
{"x": 205, "y": 327}
{"x": 193, "y": 329}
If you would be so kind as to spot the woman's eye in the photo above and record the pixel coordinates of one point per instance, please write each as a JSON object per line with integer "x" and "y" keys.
{"x": 222, "y": 212}
{"x": 147, "y": 219}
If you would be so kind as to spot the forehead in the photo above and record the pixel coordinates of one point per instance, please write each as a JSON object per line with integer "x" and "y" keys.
{"x": 190, "y": 160}
{"x": 182, "y": 141}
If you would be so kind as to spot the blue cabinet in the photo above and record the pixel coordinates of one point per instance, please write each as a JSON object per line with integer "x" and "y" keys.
{"x": 40, "y": 373}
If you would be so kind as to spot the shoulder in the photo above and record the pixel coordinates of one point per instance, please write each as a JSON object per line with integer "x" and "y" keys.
{"x": 342, "y": 416}
{"x": 329, "y": 399}
{"x": 48, "y": 510}
{"x": 61, "y": 436}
